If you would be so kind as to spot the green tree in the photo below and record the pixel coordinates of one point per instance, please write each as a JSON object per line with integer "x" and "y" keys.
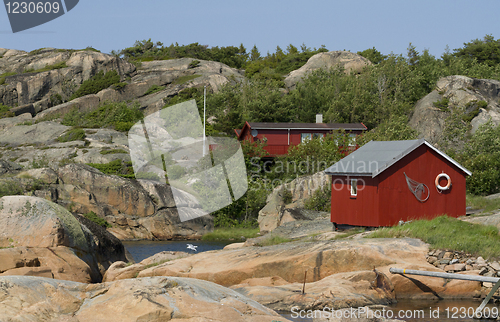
{"x": 372, "y": 55}
{"x": 486, "y": 50}
{"x": 254, "y": 54}
{"x": 412, "y": 55}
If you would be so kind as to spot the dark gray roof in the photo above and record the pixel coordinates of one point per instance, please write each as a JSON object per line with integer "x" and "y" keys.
{"x": 376, "y": 156}
{"x": 308, "y": 126}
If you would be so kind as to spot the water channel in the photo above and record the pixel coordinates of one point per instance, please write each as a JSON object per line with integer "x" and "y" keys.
{"x": 145, "y": 248}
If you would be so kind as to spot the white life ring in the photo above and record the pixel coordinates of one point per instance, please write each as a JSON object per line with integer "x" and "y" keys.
{"x": 447, "y": 177}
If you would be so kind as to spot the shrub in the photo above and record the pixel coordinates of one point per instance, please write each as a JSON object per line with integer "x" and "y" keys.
{"x": 5, "y": 111}
{"x": 10, "y": 188}
{"x": 287, "y": 196}
{"x": 116, "y": 167}
{"x": 96, "y": 219}
{"x": 154, "y": 89}
{"x": 119, "y": 86}
{"x": 109, "y": 115}
{"x": 75, "y": 134}
{"x": 96, "y": 83}
{"x": 442, "y": 104}
{"x": 320, "y": 200}
{"x": 113, "y": 151}
{"x": 56, "y": 99}
{"x": 41, "y": 162}
{"x": 195, "y": 63}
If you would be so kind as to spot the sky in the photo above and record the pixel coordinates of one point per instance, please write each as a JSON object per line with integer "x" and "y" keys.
{"x": 354, "y": 25}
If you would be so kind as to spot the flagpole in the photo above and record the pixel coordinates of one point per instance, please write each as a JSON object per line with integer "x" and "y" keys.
{"x": 204, "y": 119}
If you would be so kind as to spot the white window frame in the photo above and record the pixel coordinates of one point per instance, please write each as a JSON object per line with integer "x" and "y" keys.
{"x": 354, "y": 187}
{"x": 304, "y": 137}
{"x": 352, "y": 139}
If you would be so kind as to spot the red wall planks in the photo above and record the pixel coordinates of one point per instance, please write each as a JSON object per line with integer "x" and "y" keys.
{"x": 386, "y": 199}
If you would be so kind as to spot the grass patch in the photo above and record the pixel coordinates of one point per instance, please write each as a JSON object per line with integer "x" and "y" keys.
{"x": 47, "y": 68}
{"x": 350, "y": 232}
{"x": 156, "y": 264}
{"x": 273, "y": 240}
{"x": 49, "y": 117}
{"x": 116, "y": 167}
{"x": 5, "y": 75}
{"x": 5, "y": 111}
{"x": 96, "y": 219}
{"x": 39, "y": 163}
{"x": 226, "y": 234}
{"x": 96, "y": 83}
{"x": 10, "y": 188}
{"x": 113, "y": 151}
{"x": 30, "y": 122}
{"x": 154, "y": 89}
{"x": 75, "y": 134}
{"x": 185, "y": 79}
{"x": 480, "y": 202}
{"x": 117, "y": 116}
{"x": 448, "y": 233}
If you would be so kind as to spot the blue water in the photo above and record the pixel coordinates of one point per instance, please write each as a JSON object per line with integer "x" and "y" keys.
{"x": 146, "y": 248}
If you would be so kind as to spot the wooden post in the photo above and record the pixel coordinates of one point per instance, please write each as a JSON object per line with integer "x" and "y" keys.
{"x": 304, "y": 286}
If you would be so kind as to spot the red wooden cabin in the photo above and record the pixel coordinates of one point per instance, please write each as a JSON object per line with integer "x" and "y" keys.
{"x": 280, "y": 136}
{"x": 370, "y": 186}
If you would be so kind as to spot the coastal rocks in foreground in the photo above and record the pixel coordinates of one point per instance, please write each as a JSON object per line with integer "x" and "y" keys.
{"x": 41, "y": 238}
{"x": 133, "y": 300}
{"x": 121, "y": 270}
{"x": 274, "y": 275}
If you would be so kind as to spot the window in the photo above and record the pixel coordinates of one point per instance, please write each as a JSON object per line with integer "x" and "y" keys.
{"x": 354, "y": 187}
{"x": 352, "y": 139}
{"x": 305, "y": 137}
{"x": 318, "y": 135}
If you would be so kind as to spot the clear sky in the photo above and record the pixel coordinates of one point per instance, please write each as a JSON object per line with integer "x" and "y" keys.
{"x": 354, "y": 25}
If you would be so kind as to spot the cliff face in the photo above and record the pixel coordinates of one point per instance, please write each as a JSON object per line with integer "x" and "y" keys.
{"x": 475, "y": 100}
{"x": 38, "y": 86}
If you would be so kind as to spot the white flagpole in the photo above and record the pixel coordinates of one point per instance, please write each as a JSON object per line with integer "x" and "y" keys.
{"x": 204, "y": 119}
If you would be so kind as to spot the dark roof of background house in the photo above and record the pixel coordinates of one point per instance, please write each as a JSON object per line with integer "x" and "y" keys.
{"x": 308, "y": 126}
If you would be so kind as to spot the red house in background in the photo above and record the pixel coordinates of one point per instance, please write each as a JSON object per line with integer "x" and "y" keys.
{"x": 383, "y": 183}
{"x": 280, "y": 136}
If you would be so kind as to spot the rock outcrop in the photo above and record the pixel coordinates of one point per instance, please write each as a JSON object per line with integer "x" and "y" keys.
{"x": 350, "y": 62}
{"x": 133, "y": 211}
{"x": 121, "y": 270}
{"x": 133, "y": 300}
{"x": 45, "y": 93}
{"x": 38, "y": 237}
{"x": 342, "y": 262}
{"x": 278, "y": 211}
{"x": 27, "y": 86}
{"x": 476, "y": 101}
